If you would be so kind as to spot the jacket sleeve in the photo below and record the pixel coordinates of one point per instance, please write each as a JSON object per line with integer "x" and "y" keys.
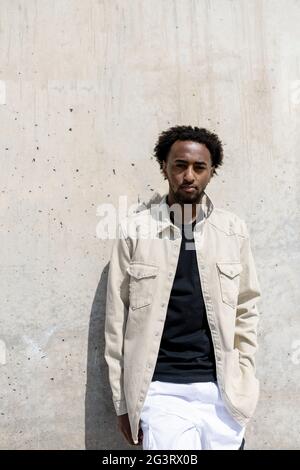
{"x": 247, "y": 315}
{"x": 117, "y": 302}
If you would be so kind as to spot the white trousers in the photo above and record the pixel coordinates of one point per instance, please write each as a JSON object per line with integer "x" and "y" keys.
{"x": 188, "y": 416}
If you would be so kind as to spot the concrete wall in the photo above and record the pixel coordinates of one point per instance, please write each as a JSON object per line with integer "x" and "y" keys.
{"x": 85, "y": 89}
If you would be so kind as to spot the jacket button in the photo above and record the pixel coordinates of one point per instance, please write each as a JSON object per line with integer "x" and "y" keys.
{"x": 163, "y": 304}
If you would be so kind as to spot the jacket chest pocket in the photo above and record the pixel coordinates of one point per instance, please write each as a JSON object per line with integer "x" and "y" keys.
{"x": 229, "y": 277}
{"x": 141, "y": 284}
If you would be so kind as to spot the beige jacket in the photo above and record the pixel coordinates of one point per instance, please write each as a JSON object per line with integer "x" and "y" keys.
{"x": 141, "y": 273}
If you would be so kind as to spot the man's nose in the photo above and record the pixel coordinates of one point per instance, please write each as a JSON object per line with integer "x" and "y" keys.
{"x": 189, "y": 175}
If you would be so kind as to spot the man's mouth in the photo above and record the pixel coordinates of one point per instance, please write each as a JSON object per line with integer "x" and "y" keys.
{"x": 188, "y": 189}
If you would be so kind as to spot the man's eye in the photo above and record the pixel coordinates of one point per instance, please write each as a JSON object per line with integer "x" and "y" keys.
{"x": 182, "y": 165}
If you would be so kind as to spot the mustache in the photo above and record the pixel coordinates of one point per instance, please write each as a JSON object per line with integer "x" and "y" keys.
{"x": 188, "y": 186}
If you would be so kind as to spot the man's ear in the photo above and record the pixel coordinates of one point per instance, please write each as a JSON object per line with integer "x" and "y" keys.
{"x": 212, "y": 171}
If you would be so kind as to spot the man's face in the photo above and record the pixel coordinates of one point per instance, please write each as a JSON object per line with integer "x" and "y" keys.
{"x": 188, "y": 165}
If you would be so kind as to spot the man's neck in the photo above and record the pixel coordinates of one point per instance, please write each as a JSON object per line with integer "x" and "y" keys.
{"x": 186, "y": 217}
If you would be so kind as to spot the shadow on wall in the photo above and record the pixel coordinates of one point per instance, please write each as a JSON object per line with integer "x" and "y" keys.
{"x": 101, "y": 431}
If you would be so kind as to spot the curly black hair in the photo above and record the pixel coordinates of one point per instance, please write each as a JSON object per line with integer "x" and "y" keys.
{"x": 167, "y": 138}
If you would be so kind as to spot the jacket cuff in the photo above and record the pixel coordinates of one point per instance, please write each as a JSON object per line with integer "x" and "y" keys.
{"x": 120, "y": 407}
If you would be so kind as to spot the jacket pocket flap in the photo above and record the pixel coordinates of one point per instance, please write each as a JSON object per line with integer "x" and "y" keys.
{"x": 142, "y": 270}
{"x": 230, "y": 269}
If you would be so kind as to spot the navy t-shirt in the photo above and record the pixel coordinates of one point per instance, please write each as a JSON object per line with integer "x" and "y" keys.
{"x": 186, "y": 352}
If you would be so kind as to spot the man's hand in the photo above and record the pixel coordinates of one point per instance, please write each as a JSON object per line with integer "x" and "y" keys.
{"x": 124, "y": 427}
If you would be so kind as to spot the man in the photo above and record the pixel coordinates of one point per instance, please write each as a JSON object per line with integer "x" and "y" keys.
{"x": 181, "y": 313}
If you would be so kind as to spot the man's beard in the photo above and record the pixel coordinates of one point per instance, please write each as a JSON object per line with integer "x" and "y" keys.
{"x": 185, "y": 198}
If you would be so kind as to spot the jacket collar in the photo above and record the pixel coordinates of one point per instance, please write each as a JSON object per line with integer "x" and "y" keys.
{"x": 162, "y": 211}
